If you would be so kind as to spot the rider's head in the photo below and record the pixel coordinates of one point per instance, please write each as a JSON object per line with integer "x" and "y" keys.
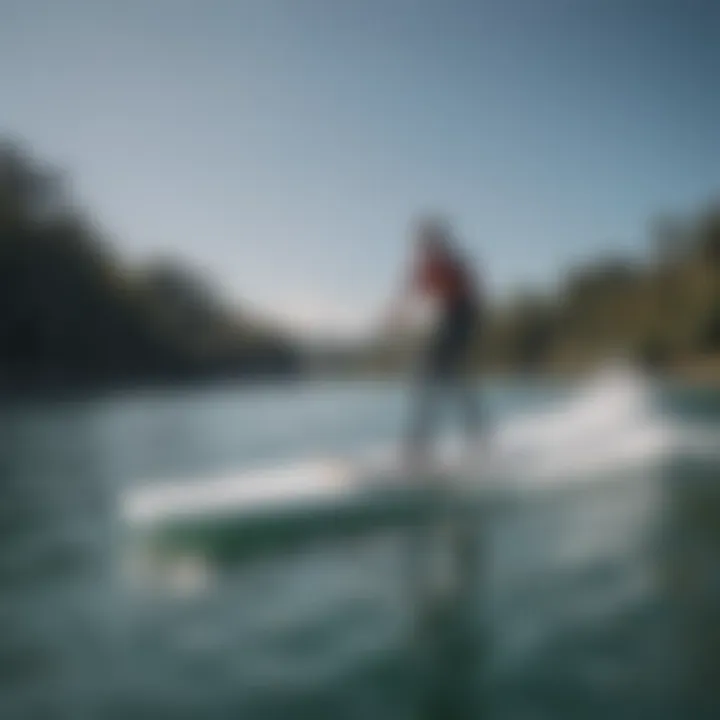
{"x": 433, "y": 235}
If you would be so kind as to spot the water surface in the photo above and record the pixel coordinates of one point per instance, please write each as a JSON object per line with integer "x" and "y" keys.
{"x": 596, "y": 593}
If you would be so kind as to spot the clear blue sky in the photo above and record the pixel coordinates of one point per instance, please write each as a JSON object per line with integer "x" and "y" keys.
{"x": 283, "y": 145}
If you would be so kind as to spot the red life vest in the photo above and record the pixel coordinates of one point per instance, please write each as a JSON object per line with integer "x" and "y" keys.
{"x": 445, "y": 278}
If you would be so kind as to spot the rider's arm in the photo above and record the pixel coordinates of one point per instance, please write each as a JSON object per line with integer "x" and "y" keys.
{"x": 414, "y": 285}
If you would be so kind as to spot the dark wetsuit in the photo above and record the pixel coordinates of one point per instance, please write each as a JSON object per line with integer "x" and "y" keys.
{"x": 442, "y": 369}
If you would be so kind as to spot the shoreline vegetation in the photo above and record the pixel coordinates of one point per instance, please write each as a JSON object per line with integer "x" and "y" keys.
{"x": 76, "y": 318}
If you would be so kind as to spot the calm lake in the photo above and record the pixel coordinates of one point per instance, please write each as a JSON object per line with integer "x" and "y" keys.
{"x": 596, "y": 593}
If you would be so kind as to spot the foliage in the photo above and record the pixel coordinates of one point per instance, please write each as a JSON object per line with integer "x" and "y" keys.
{"x": 72, "y": 314}
{"x": 661, "y": 311}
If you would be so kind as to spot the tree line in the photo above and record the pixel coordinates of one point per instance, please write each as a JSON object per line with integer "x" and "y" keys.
{"x": 74, "y": 315}
{"x": 662, "y": 310}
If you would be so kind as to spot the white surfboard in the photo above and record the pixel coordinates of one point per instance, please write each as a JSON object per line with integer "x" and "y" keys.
{"x": 235, "y": 512}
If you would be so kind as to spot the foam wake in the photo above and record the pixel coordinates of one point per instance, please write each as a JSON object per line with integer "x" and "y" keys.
{"x": 610, "y": 423}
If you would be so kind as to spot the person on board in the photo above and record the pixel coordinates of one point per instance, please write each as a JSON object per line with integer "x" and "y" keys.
{"x": 441, "y": 273}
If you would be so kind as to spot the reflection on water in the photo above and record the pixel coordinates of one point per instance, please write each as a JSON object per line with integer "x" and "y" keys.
{"x": 691, "y": 575}
{"x": 445, "y": 594}
{"x": 591, "y": 599}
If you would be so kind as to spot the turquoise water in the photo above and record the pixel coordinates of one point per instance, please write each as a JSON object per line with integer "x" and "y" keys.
{"x": 590, "y": 595}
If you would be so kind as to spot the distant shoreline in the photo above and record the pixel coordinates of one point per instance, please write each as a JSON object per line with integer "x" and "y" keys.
{"x": 82, "y": 392}
{"x": 699, "y": 372}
